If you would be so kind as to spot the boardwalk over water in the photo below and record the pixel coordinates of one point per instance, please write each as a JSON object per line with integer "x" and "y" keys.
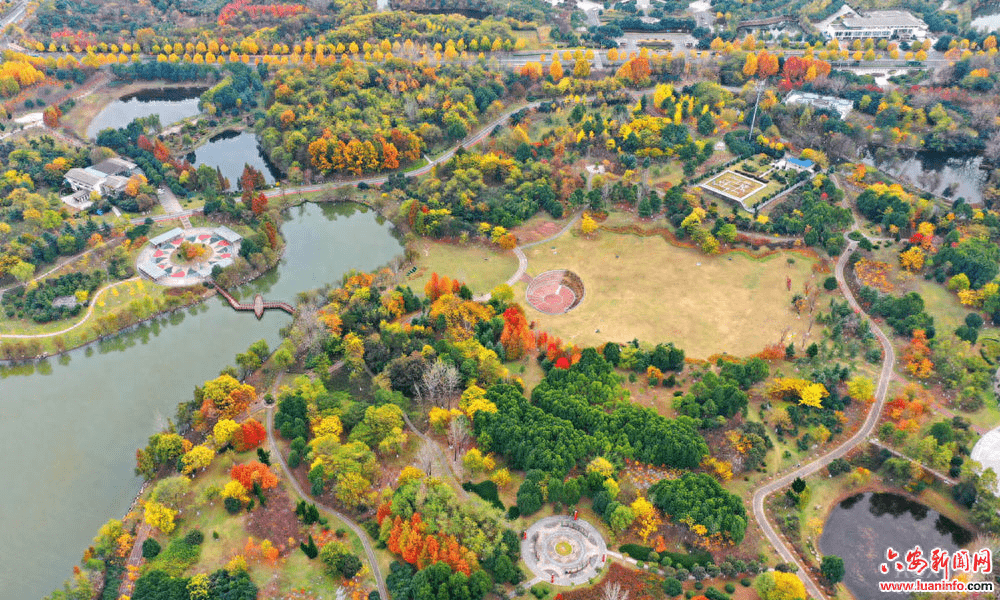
{"x": 259, "y": 305}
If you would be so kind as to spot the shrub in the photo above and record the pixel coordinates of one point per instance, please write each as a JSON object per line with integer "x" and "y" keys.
{"x": 636, "y": 551}
{"x": 513, "y": 512}
{"x": 487, "y": 490}
{"x": 698, "y": 585}
{"x": 233, "y": 505}
{"x": 194, "y": 537}
{"x": 672, "y": 587}
{"x": 730, "y": 588}
{"x": 713, "y": 594}
{"x": 745, "y": 582}
{"x": 150, "y": 548}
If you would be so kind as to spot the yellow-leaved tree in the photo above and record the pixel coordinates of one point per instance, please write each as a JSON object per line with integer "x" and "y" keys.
{"x": 647, "y": 518}
{"x": 196, "y": 458}
{"x": 159, "y": 516}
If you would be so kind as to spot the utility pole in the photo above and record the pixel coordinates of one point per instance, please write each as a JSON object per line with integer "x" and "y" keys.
{"x": 753, "y": 121}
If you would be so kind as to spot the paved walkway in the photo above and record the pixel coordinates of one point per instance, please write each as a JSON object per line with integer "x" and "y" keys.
{"x": 134, "y": 560}
{"x": 874, "y": 412}
{"x": 563, "y": 551}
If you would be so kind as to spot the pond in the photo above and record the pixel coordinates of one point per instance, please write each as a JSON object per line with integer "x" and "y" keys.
{"x": 77, "y": 420}
{"x": 861, "y": 528}
{"x": 936, "y": 172}
{"x": 172, "y": 104}
{"x": 230, "y": 151}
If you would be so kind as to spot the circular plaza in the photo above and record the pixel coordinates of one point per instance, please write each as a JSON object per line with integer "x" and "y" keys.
{"x": 555, "y": 292}
{"x": 182, "y": 257}
{"x": 563, "y": 551}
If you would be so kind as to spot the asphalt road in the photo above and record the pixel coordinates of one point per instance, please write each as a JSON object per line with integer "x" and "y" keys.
{"x": 888, "y": 364}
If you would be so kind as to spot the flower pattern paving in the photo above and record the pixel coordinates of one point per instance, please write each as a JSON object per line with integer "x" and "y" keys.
{"x": 220, "y": 250}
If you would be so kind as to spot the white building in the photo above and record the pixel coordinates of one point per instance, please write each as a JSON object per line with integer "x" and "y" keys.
{"x": 877, "y": 24}
{"x": 838, "y": 105}
{"x": 107, "y": 178}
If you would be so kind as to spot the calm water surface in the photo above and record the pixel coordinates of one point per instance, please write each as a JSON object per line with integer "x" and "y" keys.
{"x": 861, "y": 528}
{"x": 172, "y": 104}
{"x": 230, "y": 151}
{"x": 70, "y": 426}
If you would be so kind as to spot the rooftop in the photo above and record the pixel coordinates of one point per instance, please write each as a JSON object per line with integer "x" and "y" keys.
{"x": 228, "y": 234}
{"x": 166, "y": 237}
{"x": 114, "y": 166}
{"x": 85, "y": 176}
{"x": 883, "y": 18}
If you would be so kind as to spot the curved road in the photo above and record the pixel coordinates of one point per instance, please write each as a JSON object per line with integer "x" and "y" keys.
{"x": 361, "y": 533}
{"x": 888, "y": 364}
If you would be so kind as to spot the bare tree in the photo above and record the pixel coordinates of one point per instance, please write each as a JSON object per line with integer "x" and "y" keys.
{"x": 613, "y": 591}
{"x": 440, "y": 385}
{"x": 425, "y": 457}
{"x": 459, "y": 434}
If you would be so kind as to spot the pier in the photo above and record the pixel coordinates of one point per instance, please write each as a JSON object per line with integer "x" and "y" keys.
{"x": 259, "y": 305}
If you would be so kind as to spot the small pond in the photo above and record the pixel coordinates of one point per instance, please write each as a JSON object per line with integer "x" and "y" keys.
{"x": 229, "y": 151}
{"x": 172, "y": 104}
{"x": 936, "y": 172}
{"x": 861, "y": 528}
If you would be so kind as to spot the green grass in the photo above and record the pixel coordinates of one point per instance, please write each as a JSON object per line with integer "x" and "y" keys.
{"x": 645, "y": 288}
{"x": 481, "y": 268}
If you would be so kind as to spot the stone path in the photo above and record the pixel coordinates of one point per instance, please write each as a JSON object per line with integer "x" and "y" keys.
{"x": 134, "y": 560}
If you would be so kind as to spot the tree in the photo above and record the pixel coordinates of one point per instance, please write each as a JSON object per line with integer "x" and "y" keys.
{"x": 199, "y": 457}
{"x": 254, "y": 473}
{"x": 750, "y": 65}
{"x": 832, "y": 568}
{"x": 798, "y": 485}
{"x": 614, "y": 591}
{"x": 159, "y": 516}
{"x": 556, "y": 69}
{"x": 776, "y": 585}
{"x": 861, "y": 388}
{"x": 588, "y": 225}
{"x": 516, "y": 337}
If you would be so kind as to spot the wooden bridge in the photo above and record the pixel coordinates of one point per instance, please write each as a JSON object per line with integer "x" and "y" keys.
{"x": 259, "y": 305}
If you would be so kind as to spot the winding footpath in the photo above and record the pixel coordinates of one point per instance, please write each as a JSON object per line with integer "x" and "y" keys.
{"x": 888, "y": 365}
{"x": 357, "y": 529}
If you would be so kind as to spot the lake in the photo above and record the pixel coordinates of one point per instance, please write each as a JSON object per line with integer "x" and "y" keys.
{"x": 77, "y": 420}
{"x": 230, "y": 151}
{"x": 172, "y": 104}
{"x": 861, "y": 528}
{"x": 935, "y": 172}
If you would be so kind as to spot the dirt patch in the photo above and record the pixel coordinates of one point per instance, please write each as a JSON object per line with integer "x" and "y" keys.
{"x": 276, "y": 521}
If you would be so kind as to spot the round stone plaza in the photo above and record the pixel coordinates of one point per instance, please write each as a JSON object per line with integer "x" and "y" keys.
{"x": 562, "y": 551}
{"x": 160, "y": 262}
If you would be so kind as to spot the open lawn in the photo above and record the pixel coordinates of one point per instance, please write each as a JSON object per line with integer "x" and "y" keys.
{"x": 645, "y": 288}
{"x": 480, "y": 267}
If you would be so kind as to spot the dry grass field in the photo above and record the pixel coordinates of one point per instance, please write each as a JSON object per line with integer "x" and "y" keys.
{"x": 645, "y": 288}
{"x": 480, "y": 267}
